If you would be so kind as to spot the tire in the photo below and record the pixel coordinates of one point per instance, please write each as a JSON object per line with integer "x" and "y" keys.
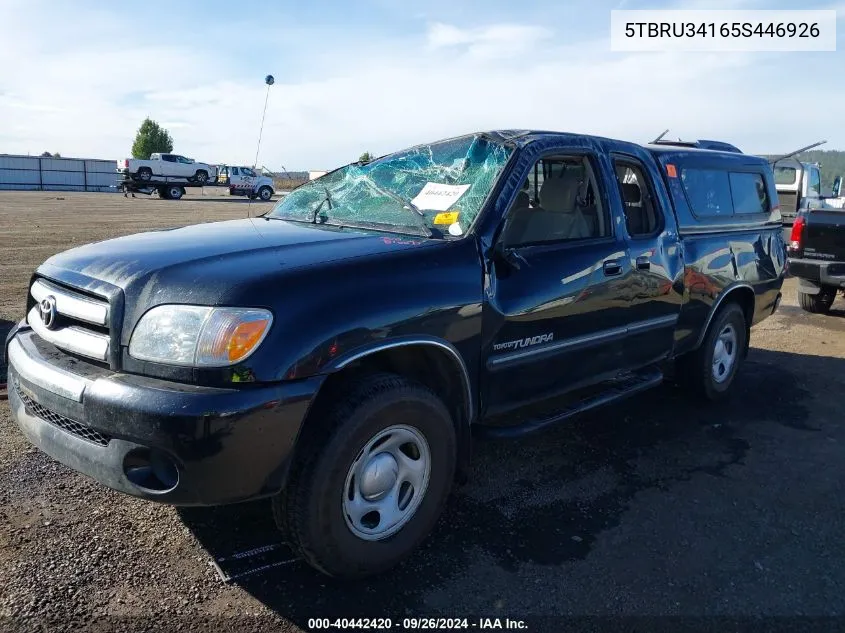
{"x": 316, "y": 507}
{"x": 819, "y": 303}
{"x": 201, "y": 176}
{"x": 174, "y": 192}
{"x": 701, "y": 370}
{"x": 145, "y": 174}
{"x": 265, "y": 193}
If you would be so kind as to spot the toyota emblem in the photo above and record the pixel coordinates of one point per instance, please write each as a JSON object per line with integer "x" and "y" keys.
{"x": 47, "y": 309}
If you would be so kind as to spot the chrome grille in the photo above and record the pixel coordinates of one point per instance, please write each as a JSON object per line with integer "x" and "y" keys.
{"x": 65, "y": 424}
{"x": 70, "y": 320}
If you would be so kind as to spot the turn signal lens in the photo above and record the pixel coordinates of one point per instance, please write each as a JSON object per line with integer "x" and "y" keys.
{"x": 230, "y": 335}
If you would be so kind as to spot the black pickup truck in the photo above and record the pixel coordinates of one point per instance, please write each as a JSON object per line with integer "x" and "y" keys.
{"x": 338, "y": 353}
{"x": 816, "y": 252}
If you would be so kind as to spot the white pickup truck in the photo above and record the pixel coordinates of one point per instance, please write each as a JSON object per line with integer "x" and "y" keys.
{"x": 167, "y": 166}
{"x": 245, "y": 181}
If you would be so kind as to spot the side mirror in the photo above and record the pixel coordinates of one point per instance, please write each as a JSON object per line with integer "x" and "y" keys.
{"x": 837, "y": 187}
{"x": 506, "y": 254}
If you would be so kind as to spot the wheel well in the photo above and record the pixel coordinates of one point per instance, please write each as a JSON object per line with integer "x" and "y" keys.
{"x": 744, "y": 297}
{"x": 429, "y": 365}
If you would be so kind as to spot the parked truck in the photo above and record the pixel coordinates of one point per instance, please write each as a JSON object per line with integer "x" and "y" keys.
{"x": 338, "y": 354}
{"x": 245, "y": 181}
{"x": 817, "y": 257}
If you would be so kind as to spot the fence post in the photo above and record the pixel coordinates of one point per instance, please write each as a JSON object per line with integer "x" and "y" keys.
{"x": 84, "y": 175}
{"x": 41, "y": 174}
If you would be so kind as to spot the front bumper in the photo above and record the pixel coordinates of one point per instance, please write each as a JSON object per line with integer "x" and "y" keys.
{"x": 159, "y": 440}
{"x": 812, "y": 274}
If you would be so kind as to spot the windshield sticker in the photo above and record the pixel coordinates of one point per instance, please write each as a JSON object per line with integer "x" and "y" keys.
{"x": 437, "y": 197}
{"x": 455, "y": 229}
{"x": 449, "y": 217}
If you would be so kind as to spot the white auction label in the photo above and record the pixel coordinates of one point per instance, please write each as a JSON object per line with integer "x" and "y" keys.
{"x": 723, "y": 30}
{"x": 437, "y": 197}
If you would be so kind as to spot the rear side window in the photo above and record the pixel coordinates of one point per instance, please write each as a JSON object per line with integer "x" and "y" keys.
{"x": 748, "y": 192}
{"x": 708, "y": 191}
{"x": 718, "y": 193}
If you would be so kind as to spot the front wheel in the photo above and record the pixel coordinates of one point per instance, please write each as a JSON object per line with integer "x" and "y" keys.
{"x": 369, "y": 485}
{"x": 710, "y": 370}
{"x": 201, "y": 177}
{"x": 265, "y": 193}
{"x": 818, "y": 303}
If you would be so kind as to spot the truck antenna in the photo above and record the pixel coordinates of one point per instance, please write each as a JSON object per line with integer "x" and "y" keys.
{"x": 660, "y": 138}
{"x": 774, "y": 161}
{"x": 269, "y": 80}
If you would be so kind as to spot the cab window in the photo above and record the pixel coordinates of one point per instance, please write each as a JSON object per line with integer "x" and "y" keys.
{"x": 815, "y": 184}
{"x": 641, "y": 216}
{"x": 559, "y": 202}
{"x": 234, "y": 171}
{"x": 246, "y": 171}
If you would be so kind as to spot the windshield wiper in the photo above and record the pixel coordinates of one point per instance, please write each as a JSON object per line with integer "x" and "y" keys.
{"x": 328, "y": 199}
{"x": 405, "y": 204}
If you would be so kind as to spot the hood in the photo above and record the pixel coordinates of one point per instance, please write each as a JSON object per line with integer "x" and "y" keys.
{"x": 124, "y": 260}
{"x": 215, "y": 263}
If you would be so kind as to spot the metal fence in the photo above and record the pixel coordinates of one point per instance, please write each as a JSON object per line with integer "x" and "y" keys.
{"x": 34, "y": 173}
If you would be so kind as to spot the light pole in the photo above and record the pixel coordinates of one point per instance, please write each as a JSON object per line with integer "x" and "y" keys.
{"x": 269, "y": 80}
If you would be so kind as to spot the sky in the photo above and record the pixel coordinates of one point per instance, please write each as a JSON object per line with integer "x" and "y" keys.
{"x": 378, "y": 75}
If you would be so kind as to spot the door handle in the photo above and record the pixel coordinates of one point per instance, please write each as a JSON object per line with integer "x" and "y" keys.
{"x": 612, "y": 267}
{"x": 643, "y": 263}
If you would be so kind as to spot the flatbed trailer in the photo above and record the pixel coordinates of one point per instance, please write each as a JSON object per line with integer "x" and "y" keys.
{"x": 167, "y": 187}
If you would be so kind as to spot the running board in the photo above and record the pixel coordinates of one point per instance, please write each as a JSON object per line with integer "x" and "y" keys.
{"x": 617, "y": 390}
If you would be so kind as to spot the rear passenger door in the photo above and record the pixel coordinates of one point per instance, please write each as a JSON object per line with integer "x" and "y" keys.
{"x": 556, "y": 306}
{"x": 656, "y": 288}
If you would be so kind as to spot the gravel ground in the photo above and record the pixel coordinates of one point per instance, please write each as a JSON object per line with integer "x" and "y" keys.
{"x": 655, "y": 507}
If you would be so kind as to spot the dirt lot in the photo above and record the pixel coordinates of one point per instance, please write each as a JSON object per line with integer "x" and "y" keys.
{"x": 655, "y": 507}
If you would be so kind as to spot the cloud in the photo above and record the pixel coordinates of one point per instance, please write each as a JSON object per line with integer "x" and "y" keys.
{"x": 65, "y": 89}
{"x": 489, "y": 42}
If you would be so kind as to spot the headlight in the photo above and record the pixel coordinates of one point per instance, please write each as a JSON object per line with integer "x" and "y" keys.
{"x": 199, "y": 336}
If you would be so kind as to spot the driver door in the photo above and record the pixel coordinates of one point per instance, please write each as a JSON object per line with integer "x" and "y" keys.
{"x": 555, "y": 318}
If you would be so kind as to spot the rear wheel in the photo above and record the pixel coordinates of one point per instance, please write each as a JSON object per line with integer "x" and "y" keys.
{"x": 710, "y": 370}
{"x": 370, "y": 483}
{"x": 145, "y": 174}
{"x": 172, "y": 192}
{"x": 819, "y": 303}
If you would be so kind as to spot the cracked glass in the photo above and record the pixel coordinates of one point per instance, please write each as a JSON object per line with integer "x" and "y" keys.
{"x": 388, "y": 193}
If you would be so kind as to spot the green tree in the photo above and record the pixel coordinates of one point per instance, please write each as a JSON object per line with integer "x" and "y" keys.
{"x": 366, "y": 157}
{"x": 151, "y": 138}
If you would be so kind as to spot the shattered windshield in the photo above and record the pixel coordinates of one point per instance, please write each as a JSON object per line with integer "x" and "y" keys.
{"x": 429, "y": 189}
